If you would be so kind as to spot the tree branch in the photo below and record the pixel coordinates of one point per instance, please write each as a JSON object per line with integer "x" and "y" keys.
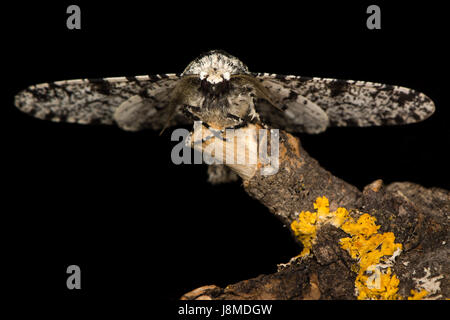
{"x": 417, "y": 217}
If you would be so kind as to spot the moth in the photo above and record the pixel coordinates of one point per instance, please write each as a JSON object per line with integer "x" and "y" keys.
{"x": 219, "y": 90}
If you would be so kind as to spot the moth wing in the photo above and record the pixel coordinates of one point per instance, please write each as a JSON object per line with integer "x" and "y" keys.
{"x": 298, "y": 115}
{"x": 138, "y": 113}
{"x": 351, "y": 103}
{"x": 293, "y": 112}
{"x": 96, "y": 101}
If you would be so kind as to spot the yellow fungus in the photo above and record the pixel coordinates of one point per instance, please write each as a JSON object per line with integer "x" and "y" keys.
{"x": 322, "y": 206}
{"x": 305, "y": 230}
{"x": 370, "y": 248}
{"x": 364, "y": 226}
{"x": 418, "y": 295}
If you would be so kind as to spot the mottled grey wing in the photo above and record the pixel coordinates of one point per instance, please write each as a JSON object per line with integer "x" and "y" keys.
{"x": 347, "y": 102}
{"x": 143, "y": 101}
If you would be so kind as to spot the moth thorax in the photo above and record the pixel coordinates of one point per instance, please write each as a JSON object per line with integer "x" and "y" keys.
{"x": 215, "y": 67}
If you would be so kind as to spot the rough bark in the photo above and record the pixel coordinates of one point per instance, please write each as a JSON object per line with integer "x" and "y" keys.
{"x": 416, "y": 215}
{"x": 299, "y": 181}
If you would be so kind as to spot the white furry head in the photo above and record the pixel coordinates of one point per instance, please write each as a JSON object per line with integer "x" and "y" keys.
{"x": 215, "y": 67}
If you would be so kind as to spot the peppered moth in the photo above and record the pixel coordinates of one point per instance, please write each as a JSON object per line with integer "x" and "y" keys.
{"x": 219, "y": 90}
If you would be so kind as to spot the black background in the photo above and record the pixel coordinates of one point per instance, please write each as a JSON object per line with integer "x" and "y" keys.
{"x": 144, "y": 229}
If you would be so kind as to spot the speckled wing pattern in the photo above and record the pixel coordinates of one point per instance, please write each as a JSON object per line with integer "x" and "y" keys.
{"x": 143, "y": 99}
{"x": 143, "y": 102}
{"x": 344, "y": 103}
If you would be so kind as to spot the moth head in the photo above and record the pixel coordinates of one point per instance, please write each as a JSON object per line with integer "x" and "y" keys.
{"x": 214, "y": 75}
{"x": 215, "y": 67}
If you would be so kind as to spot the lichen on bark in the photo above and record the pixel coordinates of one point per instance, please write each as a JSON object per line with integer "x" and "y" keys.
{"x": 417, "y": 216}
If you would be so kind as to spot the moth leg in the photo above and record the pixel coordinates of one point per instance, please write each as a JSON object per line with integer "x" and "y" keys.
{"x": 238, "y": 126}
{"x": 251, "y": 117}
{"x": 216, "y": 133}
